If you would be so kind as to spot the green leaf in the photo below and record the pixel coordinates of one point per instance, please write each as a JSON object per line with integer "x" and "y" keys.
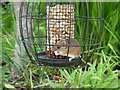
{"x": 9, "y": 86}
{"x": 111, "y": 47}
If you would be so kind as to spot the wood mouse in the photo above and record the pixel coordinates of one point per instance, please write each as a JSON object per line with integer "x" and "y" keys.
{"x": 74, "y": 49}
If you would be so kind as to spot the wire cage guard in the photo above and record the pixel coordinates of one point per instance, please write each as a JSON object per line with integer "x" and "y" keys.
{"x": 60, "y": 33}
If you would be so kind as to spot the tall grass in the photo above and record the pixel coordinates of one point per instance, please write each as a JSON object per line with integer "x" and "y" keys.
{"x": 0, "y": 46}
{"x": 101, "y": 72}
{"x": 101, "y": 76}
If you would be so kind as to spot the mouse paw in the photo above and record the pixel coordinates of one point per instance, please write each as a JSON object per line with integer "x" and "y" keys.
{"x": 70, "y": 59}
{"x": 80, "y": 57}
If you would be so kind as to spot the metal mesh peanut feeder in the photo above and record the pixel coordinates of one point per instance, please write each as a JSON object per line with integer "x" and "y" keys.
{"x": 60, "y": 34}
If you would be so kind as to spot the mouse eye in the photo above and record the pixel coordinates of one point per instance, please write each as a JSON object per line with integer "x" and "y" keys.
{"x": 58, "y": 47}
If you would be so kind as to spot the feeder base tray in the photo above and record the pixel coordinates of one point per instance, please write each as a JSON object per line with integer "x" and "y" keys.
{"x": 43, "y": 59}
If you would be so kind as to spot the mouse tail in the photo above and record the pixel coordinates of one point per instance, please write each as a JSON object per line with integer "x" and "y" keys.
{"x": 80, "y": 57}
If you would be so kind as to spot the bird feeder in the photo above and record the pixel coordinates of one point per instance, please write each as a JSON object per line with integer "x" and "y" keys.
{"x": 60, "y": 34}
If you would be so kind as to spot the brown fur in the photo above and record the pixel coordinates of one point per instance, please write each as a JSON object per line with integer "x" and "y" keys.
{"x": 74, "y": 49}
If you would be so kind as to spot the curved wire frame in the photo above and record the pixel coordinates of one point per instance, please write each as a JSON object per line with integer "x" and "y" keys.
{"x": 88, "y": 30}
